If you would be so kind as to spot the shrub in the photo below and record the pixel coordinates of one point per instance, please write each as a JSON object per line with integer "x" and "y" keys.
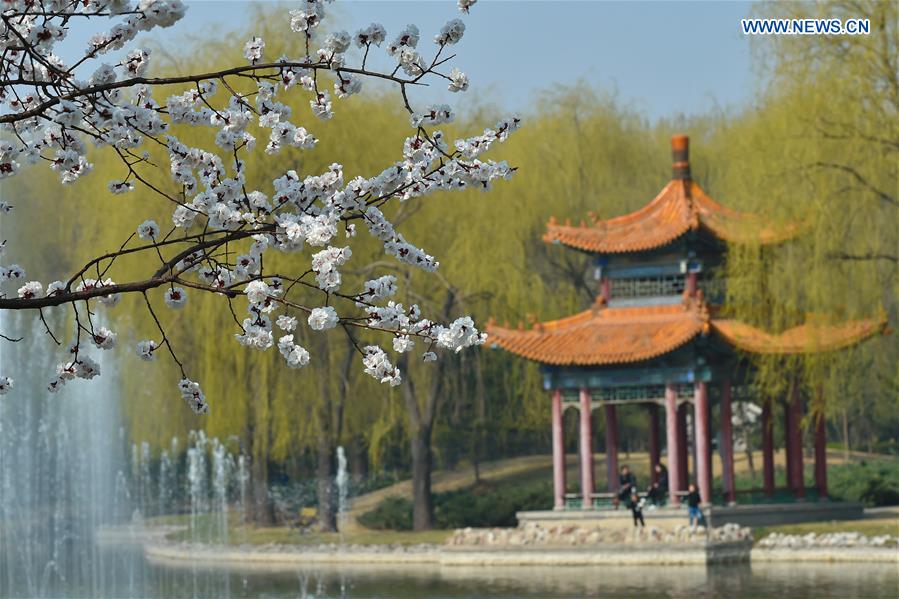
{"x": 874, "y": 483}
{"x": 394, "y": 513}
{"x": 479, "y": 506}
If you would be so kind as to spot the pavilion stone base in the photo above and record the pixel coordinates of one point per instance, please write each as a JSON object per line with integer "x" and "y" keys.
{"x": 774, "y": 514}
{"x": 620, "y": 519}
{"x": 594, "y": 543}
{"x": 771, "y": 514}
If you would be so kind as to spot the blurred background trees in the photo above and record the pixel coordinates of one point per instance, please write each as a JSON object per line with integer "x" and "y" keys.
{"x": 819, "y": 144}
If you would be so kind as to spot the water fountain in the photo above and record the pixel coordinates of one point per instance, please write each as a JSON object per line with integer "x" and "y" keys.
{"x": 67, "y": 483}
{"x": 341, "y": 481}
{"x": 61, "y": 471}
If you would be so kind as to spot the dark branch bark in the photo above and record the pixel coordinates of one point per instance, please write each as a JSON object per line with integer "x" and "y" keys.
{"x": 127, "y": 83}
{"x": 869, "y": 257}
{"x": 862, "y": 181}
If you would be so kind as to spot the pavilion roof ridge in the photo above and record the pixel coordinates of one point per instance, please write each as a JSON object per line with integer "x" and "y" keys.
{"x": 682, "y": 205}
{"x": 603, "y": 335}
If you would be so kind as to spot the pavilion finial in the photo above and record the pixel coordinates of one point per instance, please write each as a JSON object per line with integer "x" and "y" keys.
{"x": 680, "y": 157}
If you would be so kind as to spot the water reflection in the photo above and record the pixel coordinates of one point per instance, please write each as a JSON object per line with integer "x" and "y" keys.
{"x": 433, "y": 582}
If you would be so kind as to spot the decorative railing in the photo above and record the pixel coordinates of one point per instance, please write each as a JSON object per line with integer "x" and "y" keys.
{"x": 657, "y": 286}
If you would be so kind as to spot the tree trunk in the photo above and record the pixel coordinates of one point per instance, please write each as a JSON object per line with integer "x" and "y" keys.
{"x": 358, "y": 459}
{"x": 748, "y": 445}
{"x": 262, "y": 511}
{"x": 259, "y": 509}
{"x": 422, "y": 412}
{"x": 845, "y": 437}
{"x": 327, "y": 517}
{"x": 422, "y": 500}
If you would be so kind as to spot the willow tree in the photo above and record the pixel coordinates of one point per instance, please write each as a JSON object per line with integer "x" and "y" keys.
{"x": 821, "y": 147}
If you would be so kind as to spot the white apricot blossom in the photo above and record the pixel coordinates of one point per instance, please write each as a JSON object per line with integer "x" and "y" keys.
{"x": 230, "y": 226}
{"x": 31, "y": 290}
{"x": 286, "y": 323}
{"x": 296, "y": 356}
{"x": 148, "y": 230}
{"x": 378, "y": 365}
{"x": 145, "y": 349}
{"x": 175, "y": 297}
{"x": 193, "y": 396}
{"x": 104, "y": 338}
{"x": 458, "y": 81}
{"x": 252, "y": 50}
{"x": 322, "y": 319}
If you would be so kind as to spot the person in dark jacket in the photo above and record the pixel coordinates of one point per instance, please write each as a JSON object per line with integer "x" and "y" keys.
{"x": 627, "y": 483}
{"x": 659, "y": 489}
{"x": 694, "y": 512}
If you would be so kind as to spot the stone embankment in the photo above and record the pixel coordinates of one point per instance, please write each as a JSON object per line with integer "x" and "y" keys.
{"x": 530, "y": 545}
{"x": 536, "y": 545}
{"x": 533, "y": 534}
{"x": 827, "y": 547}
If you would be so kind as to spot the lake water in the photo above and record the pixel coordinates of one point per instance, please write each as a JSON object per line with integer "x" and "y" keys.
{"x": 123, "y": 573}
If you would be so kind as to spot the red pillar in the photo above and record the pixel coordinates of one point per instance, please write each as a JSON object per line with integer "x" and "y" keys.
{"x": 682, "y": 447}
{"x": 767, "y": 448}
{"x": 655, "y": 450}
{"x": 796, "y": 440}
{"x": 701, "y": 427}
{"x": 727, "y": 443}
{"x": 605, "y": 289}
{"x": 675, "y": 482}
{"x": 691, "y": 284}
{"x": 821, "y": 456}
{"x": 586, "y": 451}
{"x": 709, "y": 434}
{"x": 612, "y": 447}
{"x": 558, "y": 452}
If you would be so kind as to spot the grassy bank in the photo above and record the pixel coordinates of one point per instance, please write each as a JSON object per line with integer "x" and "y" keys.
{"x": 210, "y": 529}
{"x": 869, "y": 526}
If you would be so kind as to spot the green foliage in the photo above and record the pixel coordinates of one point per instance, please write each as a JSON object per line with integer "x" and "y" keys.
{"x": 490, "y": 506}
{"x": 580, "y": 150}
{"x": 874, "y": 483}
{"x": 480, "y": 506}
{"x": 394, "y": 513}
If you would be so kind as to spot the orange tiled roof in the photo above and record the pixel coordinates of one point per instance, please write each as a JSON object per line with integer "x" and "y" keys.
{"x": 804, "y": 339}
{"x": 682, "y": 205}
{"x": 604, "y": 336}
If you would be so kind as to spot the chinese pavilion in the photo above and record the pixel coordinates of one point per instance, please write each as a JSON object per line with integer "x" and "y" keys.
{"x": 653, "y": 337}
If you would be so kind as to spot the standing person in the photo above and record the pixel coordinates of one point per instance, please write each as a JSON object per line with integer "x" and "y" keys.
{"x": 627, "y": 483}
{"x": 694, "y": 513}
{"x": 636, "y": 505}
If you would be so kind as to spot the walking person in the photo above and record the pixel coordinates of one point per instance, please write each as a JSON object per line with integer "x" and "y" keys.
{"x": 694, "y": 512}
{"x": 636, "y": 505}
